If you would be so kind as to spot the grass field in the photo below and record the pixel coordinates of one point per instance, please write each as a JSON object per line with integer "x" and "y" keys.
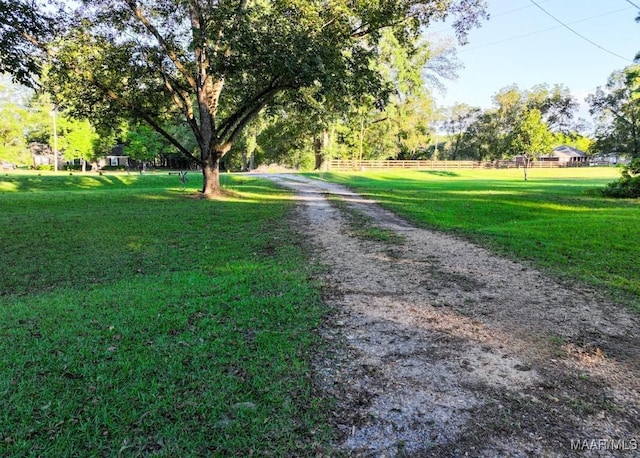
{"x": 137, "y": 319}
{"x": 552, "y": 220}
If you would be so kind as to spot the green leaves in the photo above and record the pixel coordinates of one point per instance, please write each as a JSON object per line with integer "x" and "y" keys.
{"x": 143, "y": 143}
{"x": 22, "y": 25}
{"x": 522, "y": 122}
{"x": 12, "y": 142}
{"x": 218, "y": 64}
{"x": 618, "y": 111}
{"x": 531, "y": 136}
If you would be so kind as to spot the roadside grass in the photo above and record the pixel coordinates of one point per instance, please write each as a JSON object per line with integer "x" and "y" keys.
{"x": 552, "y": 221}
{"x": 136, "y": 319}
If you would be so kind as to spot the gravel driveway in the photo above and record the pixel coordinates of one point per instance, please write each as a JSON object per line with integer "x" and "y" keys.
{"x": 438, "y": 348}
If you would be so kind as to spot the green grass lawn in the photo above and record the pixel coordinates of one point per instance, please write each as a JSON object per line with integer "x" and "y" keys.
{"x": 552, "y": 220}
{"x": 136, "y": 319}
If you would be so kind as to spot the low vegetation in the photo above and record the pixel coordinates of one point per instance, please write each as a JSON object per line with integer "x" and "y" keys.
{"x": 125, "y": 332}
{"x": 553, "y": 221}
{"x": 628, "y": 186}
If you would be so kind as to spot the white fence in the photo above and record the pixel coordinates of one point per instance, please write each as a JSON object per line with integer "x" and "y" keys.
{"x": 341, "y": 165}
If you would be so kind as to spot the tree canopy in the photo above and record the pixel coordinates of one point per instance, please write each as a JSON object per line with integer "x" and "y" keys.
{"x": 217, "y": 64}
{"x": 23, "y": 27}
{"x": 617, "y": 107}
{"x": 521, "y": 123}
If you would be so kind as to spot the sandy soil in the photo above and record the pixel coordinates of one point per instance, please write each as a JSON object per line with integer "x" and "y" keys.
{"x": 438, "y": 348}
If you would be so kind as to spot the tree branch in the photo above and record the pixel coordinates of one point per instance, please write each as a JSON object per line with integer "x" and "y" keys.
{"x": 229, "y": 124}
{"x": 182, "y": 101}
{"x": 242, "y": 123}
{"x": 137, "y": 11}
{"x": 617, "y": 115}
{"x": 365, "y": 29}
{"x": 143, "y": 115}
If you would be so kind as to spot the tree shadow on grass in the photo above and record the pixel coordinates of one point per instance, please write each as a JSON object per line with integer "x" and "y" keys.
{"x": 441, "y": 173}
{"x": 104, "y": 234}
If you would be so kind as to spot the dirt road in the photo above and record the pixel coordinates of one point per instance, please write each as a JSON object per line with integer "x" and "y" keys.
{"x": 438, "y": 348}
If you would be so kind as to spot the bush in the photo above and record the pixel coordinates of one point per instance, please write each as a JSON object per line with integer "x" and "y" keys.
{"x": 629, "y": 183}
{"x": 306, "y": 161}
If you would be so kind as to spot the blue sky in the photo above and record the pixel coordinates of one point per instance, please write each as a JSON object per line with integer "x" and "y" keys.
{"x": 522, "y": 45}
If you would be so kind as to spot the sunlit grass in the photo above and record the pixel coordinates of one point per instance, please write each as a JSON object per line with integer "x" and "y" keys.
{"x": 138, "y": 320}
{"x": 552, "y": 220}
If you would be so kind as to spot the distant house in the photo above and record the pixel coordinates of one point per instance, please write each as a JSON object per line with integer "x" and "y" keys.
{"x": 116, "y": 158}
{"x": 43, "y": 156}
{"x": 567, "y": 155}
{"x": 609, "y": 159}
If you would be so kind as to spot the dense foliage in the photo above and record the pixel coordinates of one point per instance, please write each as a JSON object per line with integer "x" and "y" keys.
{"x": 617, "y": 108}
{"x": 525, "y": 123}
{"x": 22, "y": 26}
{"x": 216, "y": 65}
{"x": 629, "y": 183}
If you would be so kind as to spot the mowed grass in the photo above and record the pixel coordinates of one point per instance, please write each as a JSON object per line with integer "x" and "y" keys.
{"x": 551, "y": 221}
{"x": 136, "y": 319}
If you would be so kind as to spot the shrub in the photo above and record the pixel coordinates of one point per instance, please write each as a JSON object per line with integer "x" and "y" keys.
{"x": 629, "y": 183}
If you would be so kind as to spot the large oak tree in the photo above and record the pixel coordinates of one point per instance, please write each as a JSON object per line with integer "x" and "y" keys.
{"x": 218, "y": 63}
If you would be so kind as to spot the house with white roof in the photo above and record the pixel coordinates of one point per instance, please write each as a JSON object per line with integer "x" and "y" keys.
{"x": 566, "y": 155}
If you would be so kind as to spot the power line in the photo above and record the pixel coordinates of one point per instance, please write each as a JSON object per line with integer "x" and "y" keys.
{"x": 577, "y": 33}
{"x": 503, "y": 13}
{"x": 631, "y": 3}
{"x": 506, "y": 40}
{"x": 515, "y": 10}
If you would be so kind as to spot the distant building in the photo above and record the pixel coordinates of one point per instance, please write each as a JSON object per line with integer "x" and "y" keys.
{"x": 566, "y": 155}
{"x": 116, "y": 158}
{"x": 42, "y": 155}
{"x": 609, "y": 159}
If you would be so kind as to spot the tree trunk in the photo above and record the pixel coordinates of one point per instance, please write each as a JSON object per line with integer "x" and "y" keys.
{"x": 211, "y": 168}
{"x": 321, "y": 155}
{"x": 211, "y": 177}
{"x": 317, "y": 151}
{"x": 245, "y": 160}
{"x": 361, "y": 152}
